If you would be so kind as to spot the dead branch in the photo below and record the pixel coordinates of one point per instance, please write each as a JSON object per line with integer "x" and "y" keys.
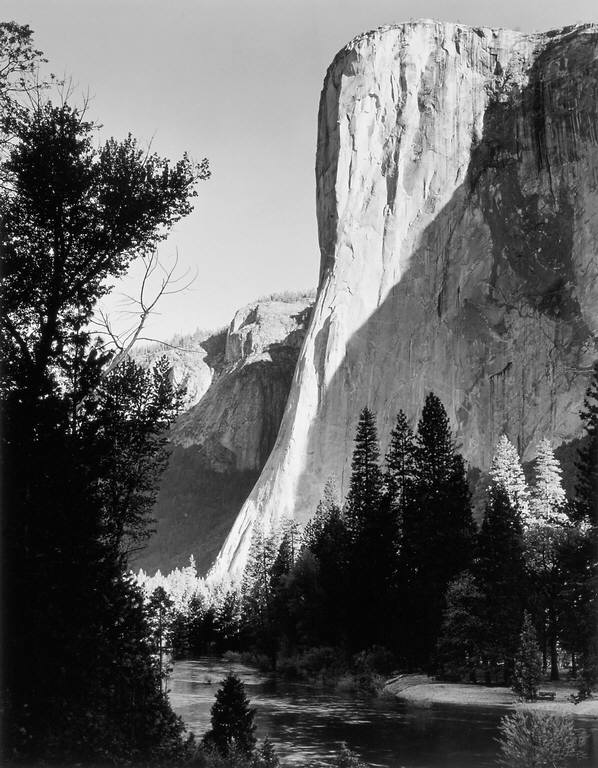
{"x": 143, "y": 306}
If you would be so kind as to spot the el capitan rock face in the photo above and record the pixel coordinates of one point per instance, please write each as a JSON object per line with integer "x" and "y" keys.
{"x": 457, "y": 202}
{"x": 238, "y": 381}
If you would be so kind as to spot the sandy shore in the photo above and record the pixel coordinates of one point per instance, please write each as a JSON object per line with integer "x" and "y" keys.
{"x": 422, "y": 690}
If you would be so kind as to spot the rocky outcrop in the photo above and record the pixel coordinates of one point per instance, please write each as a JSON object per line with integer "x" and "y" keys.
{"x": 221, "y": 442}
{"x": 194, "y": 359}
{"x": 457, "y": 179}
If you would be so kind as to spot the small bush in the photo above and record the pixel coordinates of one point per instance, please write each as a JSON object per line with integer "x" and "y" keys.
{"x": 324, "y": 659}
{"x": 377, "y": 660}
{"x": 346, "y": 758}
{"x": 265, "y": 756}
{"x": 232, "y": 657}
{"x": 538, "y": 739}
{"x": 321, "y": 663}
{"x": 253, "y": 659}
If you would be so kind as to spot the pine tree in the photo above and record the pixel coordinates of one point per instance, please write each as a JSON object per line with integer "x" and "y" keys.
{"x": 578, "y": 599}
{"x": 548, "y": 498}
{"x": 233, "y": 729}
{"x": 227, "y": 619}
{"x": 325, "y": 569}
{"x": 401, "y": 465}
{"x": 365, "y": 491}
{"x": 283, "y": 562}
{"x": 282, "y": 625}
{"x": 584, "y": 576}
{"x": 256, "y": 589}
{"x": 161, "y": 616}
{"x": 507, "y": 473}
{"x": 435, "y": 448}
{"x": 437, "y": 532}
{"x": 546, "y": 535}
{"x": 586, "y": 503}
{"x": 330, "y": 494}
{"x": 372, "y": 529}
{"x": 500, "y": 574}
{"x": 528, "y": 669}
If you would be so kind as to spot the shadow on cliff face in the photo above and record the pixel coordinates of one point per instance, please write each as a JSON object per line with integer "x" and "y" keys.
{"x": 194, "y": 512}
{"x": 486, "y": 314}
{"x": 205, "y": 485}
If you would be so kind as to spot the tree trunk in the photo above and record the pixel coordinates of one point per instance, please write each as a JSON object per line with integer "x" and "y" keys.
{"x": 552, "y": 639}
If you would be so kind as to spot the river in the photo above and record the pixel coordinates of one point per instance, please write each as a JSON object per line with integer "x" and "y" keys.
{"x": 308, "y": 724}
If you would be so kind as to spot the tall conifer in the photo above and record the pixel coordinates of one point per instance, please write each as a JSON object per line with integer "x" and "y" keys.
{"x": 437, "y": 531}
{"x": 233, "y": 727}
{"x": 372, "y": 529}
{"x": 548, "y": 498}
{"x": 499, "y": 571}
{"x": 587, "y": 466}
{"x": 365, "y": 491}
{"x": 507, "y": 473}
{"x": 400, "y": 465}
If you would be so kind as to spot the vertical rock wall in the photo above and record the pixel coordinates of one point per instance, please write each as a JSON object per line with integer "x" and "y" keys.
{"x": 457, "y": 180}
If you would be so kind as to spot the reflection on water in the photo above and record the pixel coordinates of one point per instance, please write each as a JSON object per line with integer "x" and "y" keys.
{"x": 308, "y": 725}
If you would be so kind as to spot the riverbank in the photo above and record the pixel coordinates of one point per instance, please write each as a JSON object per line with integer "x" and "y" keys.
{"x": 424, "y": 691}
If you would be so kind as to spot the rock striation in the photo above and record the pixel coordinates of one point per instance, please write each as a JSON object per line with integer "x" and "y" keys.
{"x": 457, "y": 205}
{"x": 240, "y": 380}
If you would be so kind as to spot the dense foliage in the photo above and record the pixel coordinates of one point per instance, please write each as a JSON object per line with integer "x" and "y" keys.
{"x": 399, "y": 576}
{"x": 82, "y": 449}
{"x": 538, "y": 740}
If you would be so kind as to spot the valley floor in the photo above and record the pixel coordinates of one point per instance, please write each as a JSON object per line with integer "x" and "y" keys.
{"x": 419, "y": 689}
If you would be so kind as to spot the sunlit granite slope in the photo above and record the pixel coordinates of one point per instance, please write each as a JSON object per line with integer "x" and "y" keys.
{"x": 240, "y": 380}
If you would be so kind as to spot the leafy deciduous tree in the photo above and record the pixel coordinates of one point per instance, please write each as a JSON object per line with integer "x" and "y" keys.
{"x": 72, "y": 218}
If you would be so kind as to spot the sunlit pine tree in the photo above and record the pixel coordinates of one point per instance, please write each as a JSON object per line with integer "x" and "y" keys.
{"x": 546, "y": 533}
{"x": 548, "y": 498}
{"x": 507, "y": 473}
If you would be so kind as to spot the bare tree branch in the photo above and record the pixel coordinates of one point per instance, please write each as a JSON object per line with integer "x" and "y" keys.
{"x": 144, "y": 306}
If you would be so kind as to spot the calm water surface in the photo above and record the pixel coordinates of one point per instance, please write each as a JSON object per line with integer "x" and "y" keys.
{"x": 308, "y": 725}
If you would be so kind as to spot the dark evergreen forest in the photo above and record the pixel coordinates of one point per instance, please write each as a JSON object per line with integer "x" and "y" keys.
{"x": 399, "y": 577}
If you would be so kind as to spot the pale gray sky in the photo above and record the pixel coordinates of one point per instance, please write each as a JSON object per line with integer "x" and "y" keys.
{"x": 237, "y": 81}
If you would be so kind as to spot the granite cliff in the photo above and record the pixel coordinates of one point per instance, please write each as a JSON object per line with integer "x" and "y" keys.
{"x": 457, "y": 204}
{"x": 238, "y": 381}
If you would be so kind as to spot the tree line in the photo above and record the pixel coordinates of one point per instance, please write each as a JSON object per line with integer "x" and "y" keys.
{"x": 402, "y": 573}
